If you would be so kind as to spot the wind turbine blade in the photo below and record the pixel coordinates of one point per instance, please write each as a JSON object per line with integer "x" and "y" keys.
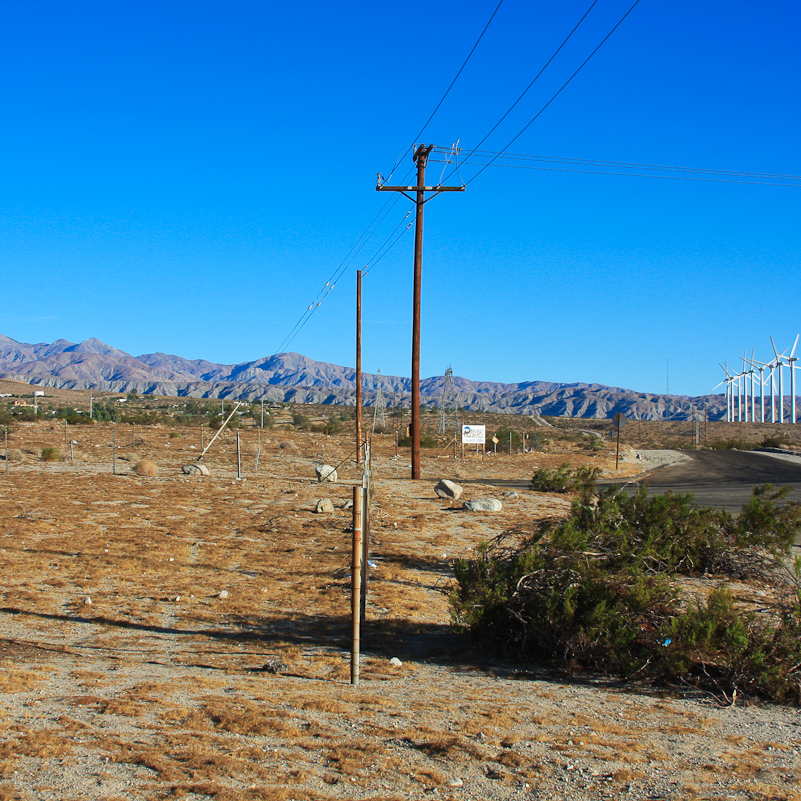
{"x": 773, "y": 345}
{"x": 795, "y": 345}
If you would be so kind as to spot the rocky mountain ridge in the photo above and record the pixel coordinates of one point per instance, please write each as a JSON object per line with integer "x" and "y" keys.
{"x": 292, "y": 377}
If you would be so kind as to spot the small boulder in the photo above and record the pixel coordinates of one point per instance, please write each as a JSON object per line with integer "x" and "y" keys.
{"x": 483, "y": 505}
{"x": 195, "y": 469}
{"x": 223, "y": 594}
{"x": 325, "y": 506}
{"x": 395, "y": 662}
{"x": 510, "y": 494}
{"x": 448, "y": 490}
{"x": 326, "y": 473}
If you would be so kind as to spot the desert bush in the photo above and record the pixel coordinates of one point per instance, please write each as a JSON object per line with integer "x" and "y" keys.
{"x": 774, "y": 441}
{"x": 731, "y": 445}
{"x": 15, "y": 455}
{"x": 599, "y": 591}
{"x": 146, "y": 468}
{"x": 174, "y": 435}
{"x": 426, "y": 441}
{"x": 563, "y": 478}
{"x": 332, "y": 426}
{"x": 300, "y": 420}
{"x": 50, "y": 454}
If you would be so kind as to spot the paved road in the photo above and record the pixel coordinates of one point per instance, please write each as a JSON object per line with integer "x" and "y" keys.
{"x": 725, "y": 478}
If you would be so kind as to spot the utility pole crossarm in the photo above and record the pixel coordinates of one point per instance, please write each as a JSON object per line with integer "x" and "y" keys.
{"x": 385, "y": 188}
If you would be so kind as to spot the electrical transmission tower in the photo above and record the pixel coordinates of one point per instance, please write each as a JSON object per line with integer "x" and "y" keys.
{"x": 380, "y": 412}
{"x": 448, "y": 405}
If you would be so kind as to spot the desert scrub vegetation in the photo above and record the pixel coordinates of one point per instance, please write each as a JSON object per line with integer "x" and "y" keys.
{"x": 51, "y": 455}
{"x": 563, "y": 478}
{"x": 600, "y": 591}
{"x": 145, "y": 467}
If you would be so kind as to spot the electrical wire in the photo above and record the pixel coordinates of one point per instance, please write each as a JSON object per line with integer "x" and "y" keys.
{"x": 447, "y": 91}
{"x": 627, "y": 165}
{"x": 559, "y": 91}
{"x": 342, "y": 267}
{"x": 536, "y": 78}
{"x": 726, "y": 176}
{"x": 377, "y": 258}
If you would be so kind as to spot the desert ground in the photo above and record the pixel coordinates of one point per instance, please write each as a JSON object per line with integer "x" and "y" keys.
{"x": 174, "y": 636}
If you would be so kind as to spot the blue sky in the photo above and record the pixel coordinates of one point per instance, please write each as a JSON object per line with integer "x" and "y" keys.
{"x": 185, "y": 176}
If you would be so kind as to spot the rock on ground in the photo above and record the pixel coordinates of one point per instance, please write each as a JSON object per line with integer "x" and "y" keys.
{"x": 195, "y": 469}
{"x": 483, "y": 505}
{"x": 448, "y": 490}
{"x": 326, "y": 473}
{"x": 325, "y": 506}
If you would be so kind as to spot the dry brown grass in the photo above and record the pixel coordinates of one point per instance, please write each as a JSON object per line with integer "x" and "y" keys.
{"x": 165, "y": 678}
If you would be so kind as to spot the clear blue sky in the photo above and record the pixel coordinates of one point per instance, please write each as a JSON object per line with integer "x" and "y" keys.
{"x": 185, "y": 176}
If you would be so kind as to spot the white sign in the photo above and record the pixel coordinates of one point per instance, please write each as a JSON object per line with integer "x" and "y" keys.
{"x": 474, "y": 435}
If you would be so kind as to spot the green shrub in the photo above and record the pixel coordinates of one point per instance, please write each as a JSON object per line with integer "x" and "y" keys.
{"x": 174, "y": 435}
{"x": 299, "y": 420}
{"x": 563, "y": 478}
{"x": 731, "y": 445}
{"x": 598, "y": 591}
{"x": 774, "y": 441}
{"x": 425, "y": 442}
{"x": 51, "y": 455}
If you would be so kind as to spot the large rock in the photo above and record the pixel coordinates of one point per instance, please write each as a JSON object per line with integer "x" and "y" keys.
{"x": 448, "y": 490}
{"x": 483, "y": 505}
{"x": 326, "y": 473}
{"x": 325, "y": 506}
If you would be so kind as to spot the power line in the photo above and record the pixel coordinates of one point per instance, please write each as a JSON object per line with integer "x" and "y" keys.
{"x": 561, "y": 88}
{"x": 536, "y": 78}
{"x": 447, "y": 91}
{"x": 349, "y": 258}
{"x": 629, "y": 165}
{"x": 696, "y": 173}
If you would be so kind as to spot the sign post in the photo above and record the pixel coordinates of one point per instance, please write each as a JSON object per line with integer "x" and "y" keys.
{"x": 473, "y": 435}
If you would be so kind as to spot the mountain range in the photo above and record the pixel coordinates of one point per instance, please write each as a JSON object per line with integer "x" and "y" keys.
{"x": 291, "y": 377}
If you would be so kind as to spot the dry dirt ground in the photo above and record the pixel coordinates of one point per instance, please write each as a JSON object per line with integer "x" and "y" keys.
{"x": 173, "y": 636}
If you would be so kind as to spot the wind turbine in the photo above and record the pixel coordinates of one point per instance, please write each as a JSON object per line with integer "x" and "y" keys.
{"x": 760, "y": 367}
{"x": 780, "y": 365}
{"x": 747, "y": 374}
{"x": 729, "y": 392}
{"x": 791, "y": 360}
{"x": 738, "y": 396}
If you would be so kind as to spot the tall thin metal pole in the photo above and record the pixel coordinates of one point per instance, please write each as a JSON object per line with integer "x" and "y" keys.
{"x": 6, "y": 449}
{"x": 113, "y": 452}
{"x": 421, "y": 159}
{"x": 358, "y": 366}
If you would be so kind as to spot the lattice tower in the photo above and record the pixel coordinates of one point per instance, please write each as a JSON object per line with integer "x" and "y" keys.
{"x": 448, "y": 405}
{"x": 380, "y": 411}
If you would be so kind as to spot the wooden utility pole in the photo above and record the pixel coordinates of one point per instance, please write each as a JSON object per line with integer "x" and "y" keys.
{"x": 358, "y": 366}
{"x": 421, "y": 155}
